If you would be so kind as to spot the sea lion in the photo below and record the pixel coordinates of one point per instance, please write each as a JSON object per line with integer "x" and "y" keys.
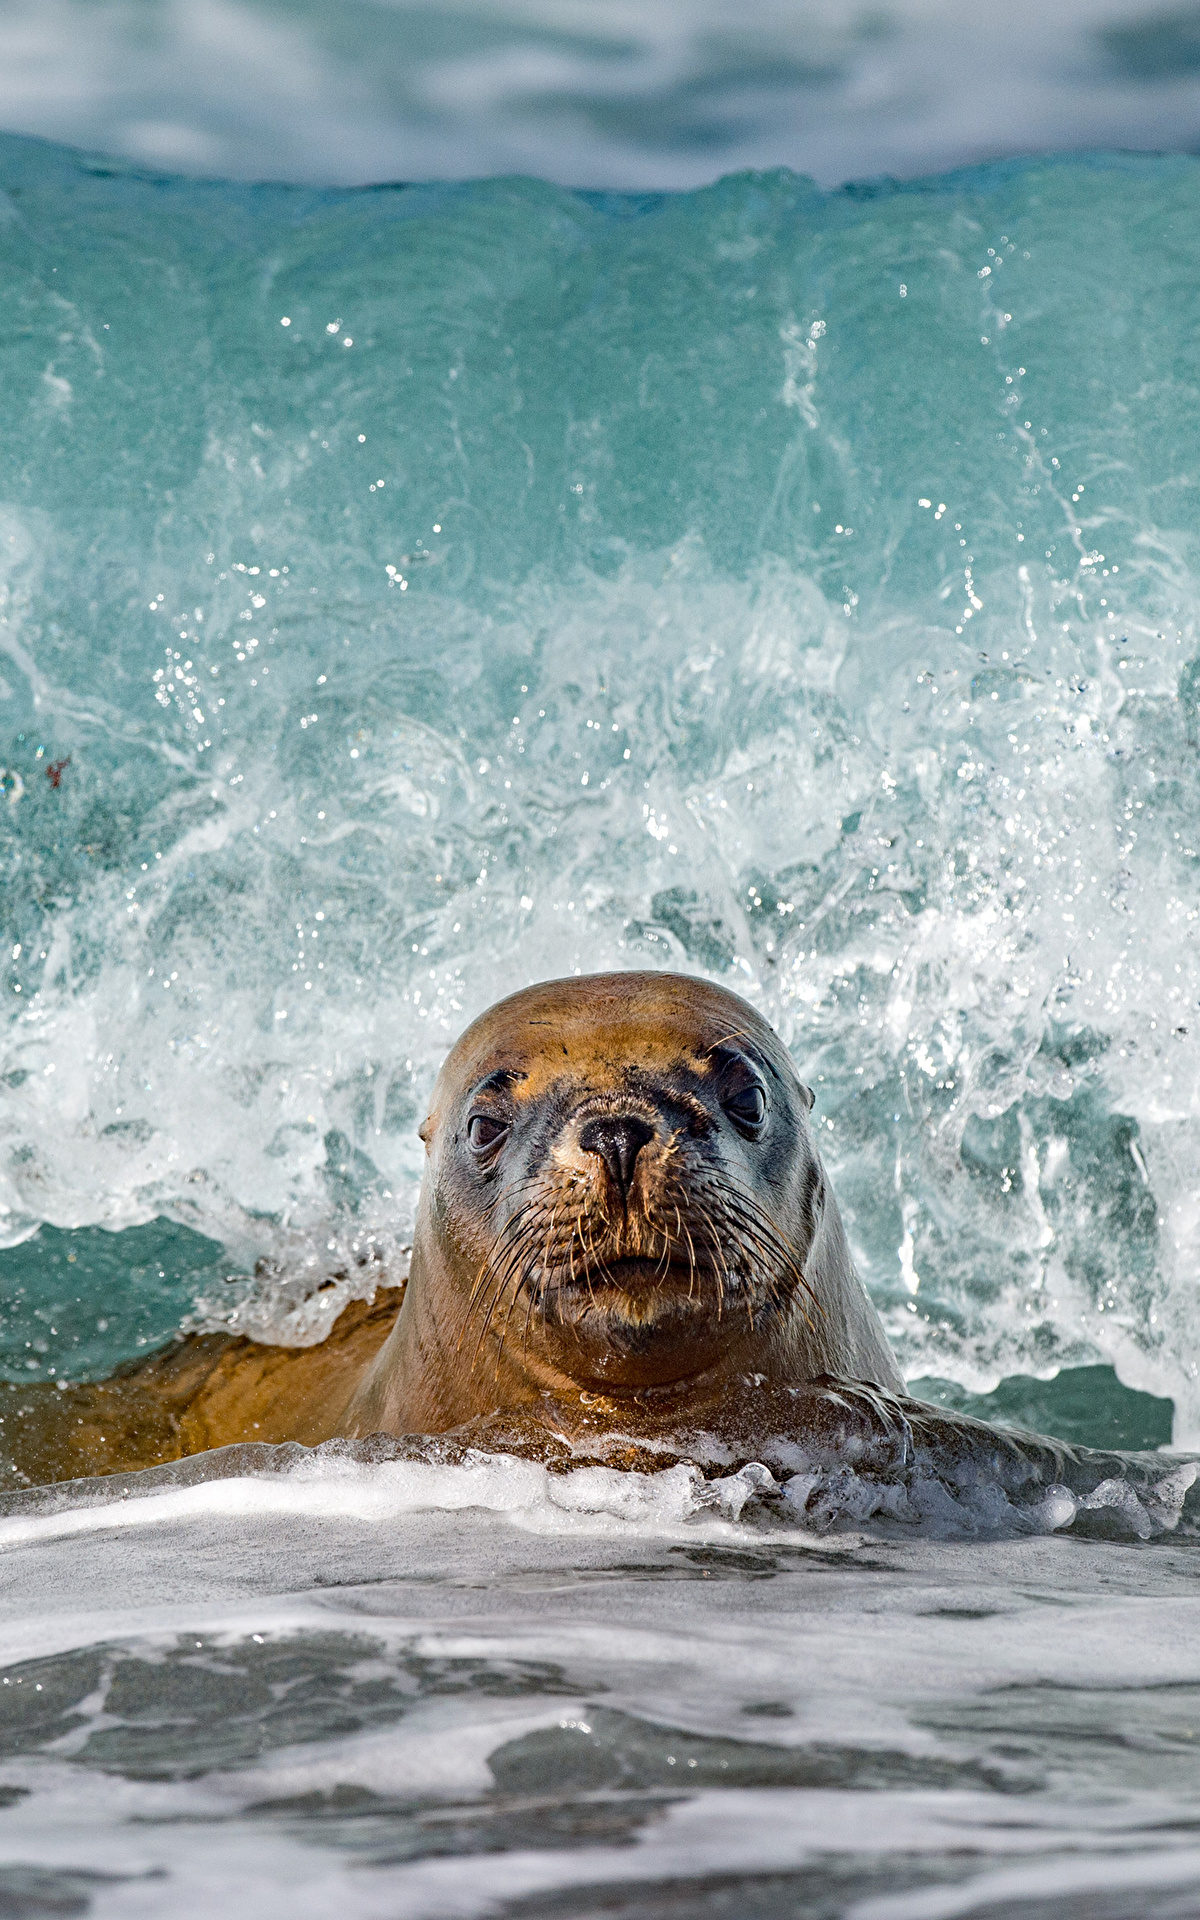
{"x": 624, "y": 1219}
{"x": 623, "y": 1207}
{"x": 627, "y": 1251}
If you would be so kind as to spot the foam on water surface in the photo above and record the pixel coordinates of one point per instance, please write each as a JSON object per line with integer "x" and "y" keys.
{"x": 329, "y": 1480}
{"x": 403, "y": 1707}
{"x": 804, "y": 1495}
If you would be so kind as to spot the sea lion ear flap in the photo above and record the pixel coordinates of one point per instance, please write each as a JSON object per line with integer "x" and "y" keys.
{"x": 808, "y": 1097}
{"x": 425, "y": 1130}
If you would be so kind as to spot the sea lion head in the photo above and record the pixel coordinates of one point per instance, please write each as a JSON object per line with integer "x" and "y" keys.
{"x": 622, "y": 1197}
{"x": 621, "y": 1179}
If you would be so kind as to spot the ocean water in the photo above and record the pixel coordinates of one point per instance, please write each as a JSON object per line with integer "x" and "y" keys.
{"x": 596, "y": 93}
{"x": 365, "y": 1690}
{"x": 407, "y": 593}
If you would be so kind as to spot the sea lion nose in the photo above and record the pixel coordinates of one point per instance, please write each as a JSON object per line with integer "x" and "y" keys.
{"x": 617, "y": 1139}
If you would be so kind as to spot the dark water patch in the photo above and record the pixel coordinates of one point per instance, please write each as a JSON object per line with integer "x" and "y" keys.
{"x": 703, "y": 936}
{"x": 709, "y": 113}
{"x": 711, "y": 1563}
{"x": 728, "y": 1561}
{"x": 26, "y": 1892}
{"x": 1166, "y": 46}
{"x": 390, "y": 1832}
{"x": 1087, "y": 1406}
{"x": 607, "y": 1749}
{"x": 1126, "y": 1738}
{"x": 823, "y": 1889}
{"x": 1178, "y": 1902}
{"x": 731, "y": 1563}
{"x": 965, "y": 1613}
{"x": 182, "y": 1711}
{"x": 69, "y": 1300}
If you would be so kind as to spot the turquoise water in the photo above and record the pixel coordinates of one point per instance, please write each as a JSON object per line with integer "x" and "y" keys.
{"x": 790, "y": 586}
{"x": 793, "y": 586}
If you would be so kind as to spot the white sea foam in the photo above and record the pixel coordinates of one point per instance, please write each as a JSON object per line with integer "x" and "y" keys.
{"x": 435, "y": 1712}
{"x": 590, "y": 1499}
{"x": 815, "y": 1505}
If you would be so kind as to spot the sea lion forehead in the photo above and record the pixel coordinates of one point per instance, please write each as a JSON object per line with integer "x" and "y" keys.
{"x": 598, "y": 1025}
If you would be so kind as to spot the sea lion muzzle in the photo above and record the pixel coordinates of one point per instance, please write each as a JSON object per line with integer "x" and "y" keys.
{"x": 617, "y": 1139}
{"x": 629, "y": 1213}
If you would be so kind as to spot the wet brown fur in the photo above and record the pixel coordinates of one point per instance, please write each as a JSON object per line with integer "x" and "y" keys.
{"x": 207, "y": 1391}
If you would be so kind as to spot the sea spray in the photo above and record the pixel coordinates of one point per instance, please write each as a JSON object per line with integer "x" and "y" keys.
{"x": 411, "y": 593}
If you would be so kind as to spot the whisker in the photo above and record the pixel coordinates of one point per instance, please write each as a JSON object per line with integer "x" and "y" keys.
{"x": 509, "y": 1268}
{"x": 522, "y": 1279}
{"x": 691, "y": 1246}
{"x": 486, "y": 1272}
{"x": 746, "y": 1211}
{"x": 664, "y": 1259}
{"x": 497, "y": 1294}
{"x": 492, "y": 1270}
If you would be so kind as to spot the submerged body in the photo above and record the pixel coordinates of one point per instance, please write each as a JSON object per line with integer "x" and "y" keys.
{"x": 626, "y": 1247}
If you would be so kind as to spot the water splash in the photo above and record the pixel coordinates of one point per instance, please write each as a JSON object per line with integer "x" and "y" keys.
{"x": 789, "y": 587}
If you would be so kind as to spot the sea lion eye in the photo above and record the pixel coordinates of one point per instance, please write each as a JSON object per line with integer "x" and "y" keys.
{"x": 484, "y": 1130}
{"x": 748, "y": 1106}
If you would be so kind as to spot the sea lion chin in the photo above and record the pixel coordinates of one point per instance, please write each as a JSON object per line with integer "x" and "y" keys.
{"x": 623, "y": 1205}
